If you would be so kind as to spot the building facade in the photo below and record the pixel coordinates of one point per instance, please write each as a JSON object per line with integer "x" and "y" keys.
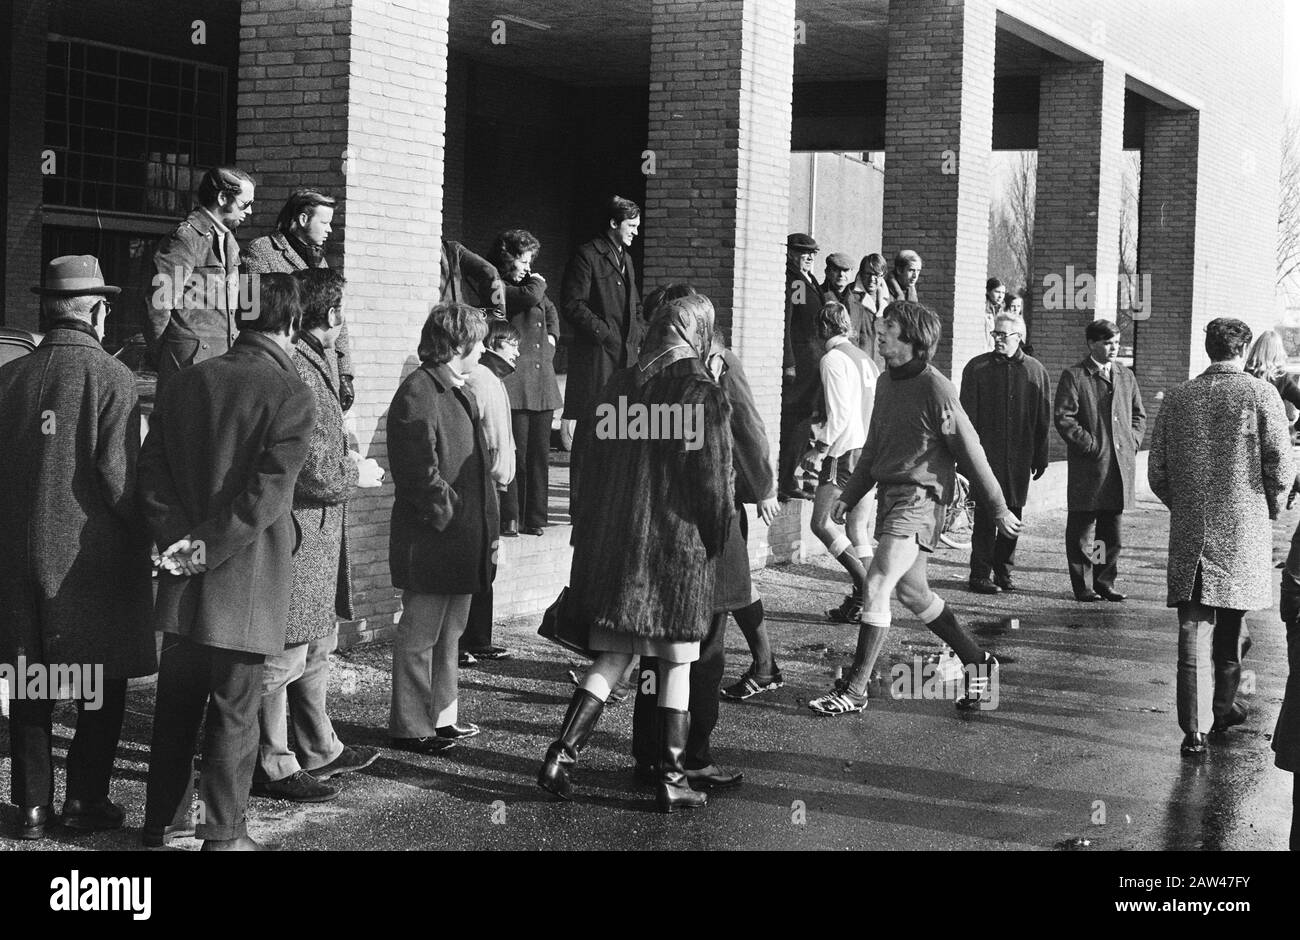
{"x": 462, "y": 118}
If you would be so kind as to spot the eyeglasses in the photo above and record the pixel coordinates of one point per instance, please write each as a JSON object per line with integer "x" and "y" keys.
{"x": 242, "y": 206}
{"x": 999, "y": 334}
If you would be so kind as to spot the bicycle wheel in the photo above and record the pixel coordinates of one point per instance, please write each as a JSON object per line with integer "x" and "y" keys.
{"x": 959, "y": 516}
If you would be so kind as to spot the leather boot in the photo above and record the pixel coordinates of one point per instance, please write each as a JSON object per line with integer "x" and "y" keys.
{"x": 674, "y": 789}
{"x": 584, "y": 711}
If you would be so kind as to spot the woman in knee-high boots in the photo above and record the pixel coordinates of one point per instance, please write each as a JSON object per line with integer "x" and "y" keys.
{"x": 648, "y": 526}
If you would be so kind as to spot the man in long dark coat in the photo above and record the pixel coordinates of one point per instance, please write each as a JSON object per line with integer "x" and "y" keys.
{"x": 600, "y": 302}
{"x": 800, "y": 376}
{"x": 217, "y": 474}
{"x": 74, "y": 569}
{"x": 1008, "y": 398}
{"x": 1100, "y": 416}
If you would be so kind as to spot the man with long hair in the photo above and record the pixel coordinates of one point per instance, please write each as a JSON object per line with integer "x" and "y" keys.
{"x": 918, "y": 434}
{"x": 298, "y": 243}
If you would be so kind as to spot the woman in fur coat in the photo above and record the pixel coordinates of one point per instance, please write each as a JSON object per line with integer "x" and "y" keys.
{"x": 647, "y": 533}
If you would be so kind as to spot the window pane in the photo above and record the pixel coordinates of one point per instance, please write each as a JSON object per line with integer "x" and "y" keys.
{"x": 128, "y": 127}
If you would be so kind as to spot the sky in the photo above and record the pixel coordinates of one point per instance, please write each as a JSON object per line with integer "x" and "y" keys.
{"x": 1291, "y": 53}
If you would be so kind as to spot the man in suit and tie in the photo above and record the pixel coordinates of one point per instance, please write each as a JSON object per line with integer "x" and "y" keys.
{"x": 1099, "y": 414}
{"x": 600, "y": 301}
{"x": 194, "y": 297}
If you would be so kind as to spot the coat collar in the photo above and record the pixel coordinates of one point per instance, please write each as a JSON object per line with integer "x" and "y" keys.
{"x": 306, "y": 347}
{"x": 1221, "y": 368}
{"x": 281, "y": 244}
{"x": 442, "y": 376}
{"x": 495, "y": 364}
{"x": 1090, "y": 364}
{"x": 201, "y": 222}
{"x": 251, "y": 341}
{"x": 70, "y": 332}
{"x": 605, "y": 245}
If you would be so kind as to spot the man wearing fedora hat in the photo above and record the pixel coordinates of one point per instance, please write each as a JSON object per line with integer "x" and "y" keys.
{"x": 800, "y": 379}
{"x": 74, "y": 557}
{"x": 194, "y": 295}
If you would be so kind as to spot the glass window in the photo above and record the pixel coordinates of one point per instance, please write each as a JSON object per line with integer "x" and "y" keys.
{"x": 143, "y": 110}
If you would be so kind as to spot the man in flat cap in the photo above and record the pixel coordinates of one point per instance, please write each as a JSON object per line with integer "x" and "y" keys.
{"x": 838, "y": 279}
{"x": 800, "y": 379}
{"x": 74, "y": 557}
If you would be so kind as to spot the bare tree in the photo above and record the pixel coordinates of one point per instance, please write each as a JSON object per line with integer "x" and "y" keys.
{"x": 1128, "y": 228}
{"x": 1014, "y": 223}
{"x": 1288, "y": 212}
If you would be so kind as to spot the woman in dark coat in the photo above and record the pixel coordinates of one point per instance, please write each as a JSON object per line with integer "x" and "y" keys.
{"x": 444, "y": 528}
{"x": 648, "y": 527}
{"x": 532, "y": 386}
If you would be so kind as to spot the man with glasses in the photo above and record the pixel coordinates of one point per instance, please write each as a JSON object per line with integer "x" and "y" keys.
{"x": 193, "y": 298}
{"x": 1007, "y": 396}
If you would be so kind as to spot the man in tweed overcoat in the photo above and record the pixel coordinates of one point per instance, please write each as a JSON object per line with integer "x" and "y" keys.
{"x": 295, "y": 681}
{"x": 1220, "y": 459}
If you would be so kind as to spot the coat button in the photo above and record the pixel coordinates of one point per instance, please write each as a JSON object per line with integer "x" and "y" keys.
{"x": 205, "y": 345}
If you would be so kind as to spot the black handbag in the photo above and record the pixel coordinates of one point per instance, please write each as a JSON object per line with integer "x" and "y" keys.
{"x": 560, "y": 624}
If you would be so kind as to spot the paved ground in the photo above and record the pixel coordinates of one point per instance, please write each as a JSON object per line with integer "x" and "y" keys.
{"x": 1083, "y": 746}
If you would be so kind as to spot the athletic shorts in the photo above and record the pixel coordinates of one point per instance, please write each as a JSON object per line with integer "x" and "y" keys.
{"x": 905, "y": 510}
{"x": 837, "y": 470}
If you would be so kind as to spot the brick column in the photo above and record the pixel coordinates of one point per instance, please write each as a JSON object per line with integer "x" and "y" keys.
{"x": 721, "y": 80}
{"x": 24, "y": 182}
{"x": 938, "y": 148}
{"x": 363, "y": 116}
{"x": 1171, "y": 340}
{"x": 1077, "y": 210}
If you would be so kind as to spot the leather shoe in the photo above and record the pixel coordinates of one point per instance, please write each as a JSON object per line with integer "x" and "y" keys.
{"x": 1236, "y": 716}
{"x": 984, "y": 586}
{"x": 532, "y": 530}
{"x": 33, "y": 822}
{"x": 1112, "y": 596}
{"x": 1088, "y": 597}
{"x": 1004, "y": 582}
{"x": 430, "y": 745}
{"x": 456, "y": 732}
{"x": 155, "y": 837}
{"x": 1193, "y": 745}
{"x": 713, "y": 777}
{"x": 93, "y": 815}
{"x": 349, "y": 761}
{"x": 298, "y": 787}
{"x": 510, "y": 530}
{"x": 242, "y": 844}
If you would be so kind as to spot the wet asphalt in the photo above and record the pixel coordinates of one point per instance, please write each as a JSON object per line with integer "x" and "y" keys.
{"x": 1081, "y": 753}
